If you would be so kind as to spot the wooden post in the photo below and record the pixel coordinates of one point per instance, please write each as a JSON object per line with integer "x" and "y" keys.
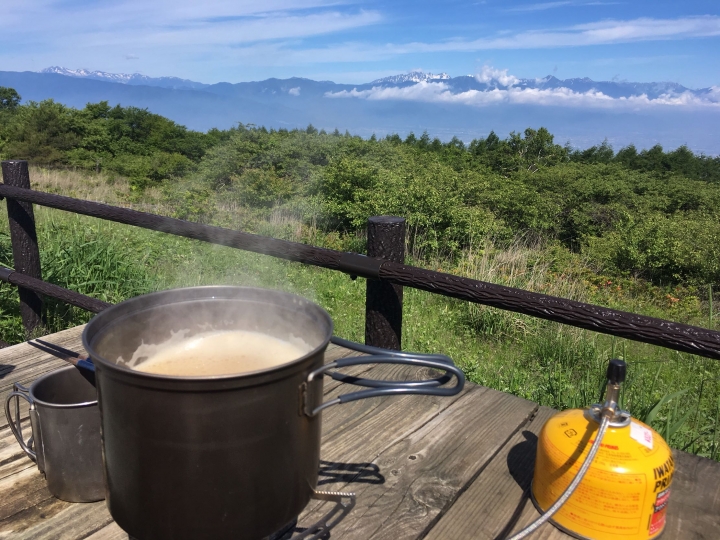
{"x": 26, "y": 256}
{"x": 383, "y": 301}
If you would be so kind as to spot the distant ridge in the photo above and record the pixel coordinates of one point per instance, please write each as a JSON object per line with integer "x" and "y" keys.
{"x": 124, "y": 78}
{"x": 579, "y": 111}
{"x": 414, "y": 77}
{"x": 462, "y": 83}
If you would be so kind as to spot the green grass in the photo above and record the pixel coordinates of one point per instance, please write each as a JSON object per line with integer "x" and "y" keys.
{"x": 548, "y": 363}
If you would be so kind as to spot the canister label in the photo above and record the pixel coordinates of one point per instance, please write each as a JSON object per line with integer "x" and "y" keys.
{"x": 657, "y": 520}
{"x": 663, "y": 474}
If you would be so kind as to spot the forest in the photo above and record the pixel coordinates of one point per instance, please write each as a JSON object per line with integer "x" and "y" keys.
{"x": 650, "y": 213}
{"x": 631, "y": 229}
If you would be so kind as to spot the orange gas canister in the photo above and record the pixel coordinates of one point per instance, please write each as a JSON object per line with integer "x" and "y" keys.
{"x": 624, "y": 493}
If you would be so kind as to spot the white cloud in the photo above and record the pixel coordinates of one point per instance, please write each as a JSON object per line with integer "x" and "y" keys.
{"x": 94, "y": 32}
{"x": 489, "y": 75}
{"x": 604, "y": 32}
{"x": 112, "y": 26}
{"x": 596, "y": 33}
{"x": 250, "y": 30}
{"x": 156, "y": 13}
{"x": 542, "y": 6}
{"x": 439, "y": 92}
{"x": 294, "y": 91}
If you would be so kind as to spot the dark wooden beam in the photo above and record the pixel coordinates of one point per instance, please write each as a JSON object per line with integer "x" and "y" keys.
{"x": 23, "y": 237}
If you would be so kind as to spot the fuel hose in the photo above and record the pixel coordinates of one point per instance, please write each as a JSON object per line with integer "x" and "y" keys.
{"x": 571, "y": 488}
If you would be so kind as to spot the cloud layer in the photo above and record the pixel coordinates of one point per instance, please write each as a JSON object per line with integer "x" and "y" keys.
{"x": 502, "y": 90}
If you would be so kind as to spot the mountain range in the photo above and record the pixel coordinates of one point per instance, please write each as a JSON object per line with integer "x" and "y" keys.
{"x": 580, "y": 111}
{"x": 482, "y": 82}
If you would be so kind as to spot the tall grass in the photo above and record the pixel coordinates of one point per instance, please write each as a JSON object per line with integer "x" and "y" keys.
{"x": 549, "y": 363}
{"x": 89, "y": 256}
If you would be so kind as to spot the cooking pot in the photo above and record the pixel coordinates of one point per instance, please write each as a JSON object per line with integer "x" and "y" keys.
{"x": 223, "y": 457}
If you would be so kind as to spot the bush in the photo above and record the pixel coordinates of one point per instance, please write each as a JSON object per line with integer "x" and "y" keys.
{"x": 663, "y": 249}
{"x": 441, "y": 205}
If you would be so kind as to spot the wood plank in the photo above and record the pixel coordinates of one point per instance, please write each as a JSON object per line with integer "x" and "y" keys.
{"x": 496, "y": 503}
{"x": 424, "y": 469}
{"x": 15, "y": 527}
{"x": 21, "y": 491}
{"x": 12, "y": 457}
{"x": 694, "y": 508}
{"x": 111, "y": 531}
{"x": 58, "y": 520}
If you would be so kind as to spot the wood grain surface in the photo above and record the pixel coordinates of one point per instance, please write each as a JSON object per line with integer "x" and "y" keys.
{"x": 421, "y": 466}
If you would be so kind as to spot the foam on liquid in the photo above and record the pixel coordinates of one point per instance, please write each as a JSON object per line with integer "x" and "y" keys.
{"x": 220, "y": 353}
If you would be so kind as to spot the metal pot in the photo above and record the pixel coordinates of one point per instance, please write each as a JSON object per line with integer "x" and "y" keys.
{"x": 233, "y": 456}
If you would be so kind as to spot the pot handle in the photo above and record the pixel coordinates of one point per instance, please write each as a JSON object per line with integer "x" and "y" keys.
{"x": 377, "y": 355}
{"x": 19, "y": 391}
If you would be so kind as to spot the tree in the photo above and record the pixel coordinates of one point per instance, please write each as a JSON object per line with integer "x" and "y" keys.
{"x": 595, "y": 154}
{"x": 43, "y": 132}
{"x": 9, "y": 99}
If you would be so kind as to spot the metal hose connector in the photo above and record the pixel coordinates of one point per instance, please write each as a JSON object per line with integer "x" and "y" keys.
{"x": 571, "y": 488}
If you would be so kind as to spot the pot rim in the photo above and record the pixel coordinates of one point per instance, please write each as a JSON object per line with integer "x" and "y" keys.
{"x": 108, "y": 313}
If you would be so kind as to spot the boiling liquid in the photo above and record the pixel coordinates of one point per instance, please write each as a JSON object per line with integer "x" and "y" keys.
{"x": 221, "y": 353}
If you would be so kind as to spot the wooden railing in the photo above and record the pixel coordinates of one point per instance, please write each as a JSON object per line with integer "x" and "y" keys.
{"x": 383, "y": 267}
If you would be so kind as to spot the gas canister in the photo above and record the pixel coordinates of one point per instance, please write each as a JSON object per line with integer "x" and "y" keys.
{"x": 624, "y": 493}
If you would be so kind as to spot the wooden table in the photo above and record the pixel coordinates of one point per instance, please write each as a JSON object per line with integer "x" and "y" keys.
{"x": 422, "y": 467}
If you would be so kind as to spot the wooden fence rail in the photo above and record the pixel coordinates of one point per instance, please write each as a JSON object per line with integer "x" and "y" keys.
{"x": 669, "y": 334}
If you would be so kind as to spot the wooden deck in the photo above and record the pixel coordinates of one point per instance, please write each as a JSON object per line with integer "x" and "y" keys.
{"x": 422, "y": 467}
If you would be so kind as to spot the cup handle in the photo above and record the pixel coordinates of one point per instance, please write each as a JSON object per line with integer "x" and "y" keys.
{"x": 431, "y": 387}
{"x": 18, "y": 392}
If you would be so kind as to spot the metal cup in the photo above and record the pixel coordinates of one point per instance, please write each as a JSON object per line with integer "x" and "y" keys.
{"x": 65, "y": 441}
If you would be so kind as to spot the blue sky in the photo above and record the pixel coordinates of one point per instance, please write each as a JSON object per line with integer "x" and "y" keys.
{"x": 239, "y": 40}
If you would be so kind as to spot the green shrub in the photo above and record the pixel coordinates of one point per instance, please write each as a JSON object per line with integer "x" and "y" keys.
{"x": 681, "y": 248}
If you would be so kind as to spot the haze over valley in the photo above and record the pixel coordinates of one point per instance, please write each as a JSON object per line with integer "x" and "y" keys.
{"x": 579, "y": 111}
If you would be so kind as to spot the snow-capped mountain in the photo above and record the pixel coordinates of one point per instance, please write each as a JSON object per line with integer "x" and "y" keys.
{"x": 125, "y": 78}
{"x": 412, "y": 77}
{"x": 101, "y": 75}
